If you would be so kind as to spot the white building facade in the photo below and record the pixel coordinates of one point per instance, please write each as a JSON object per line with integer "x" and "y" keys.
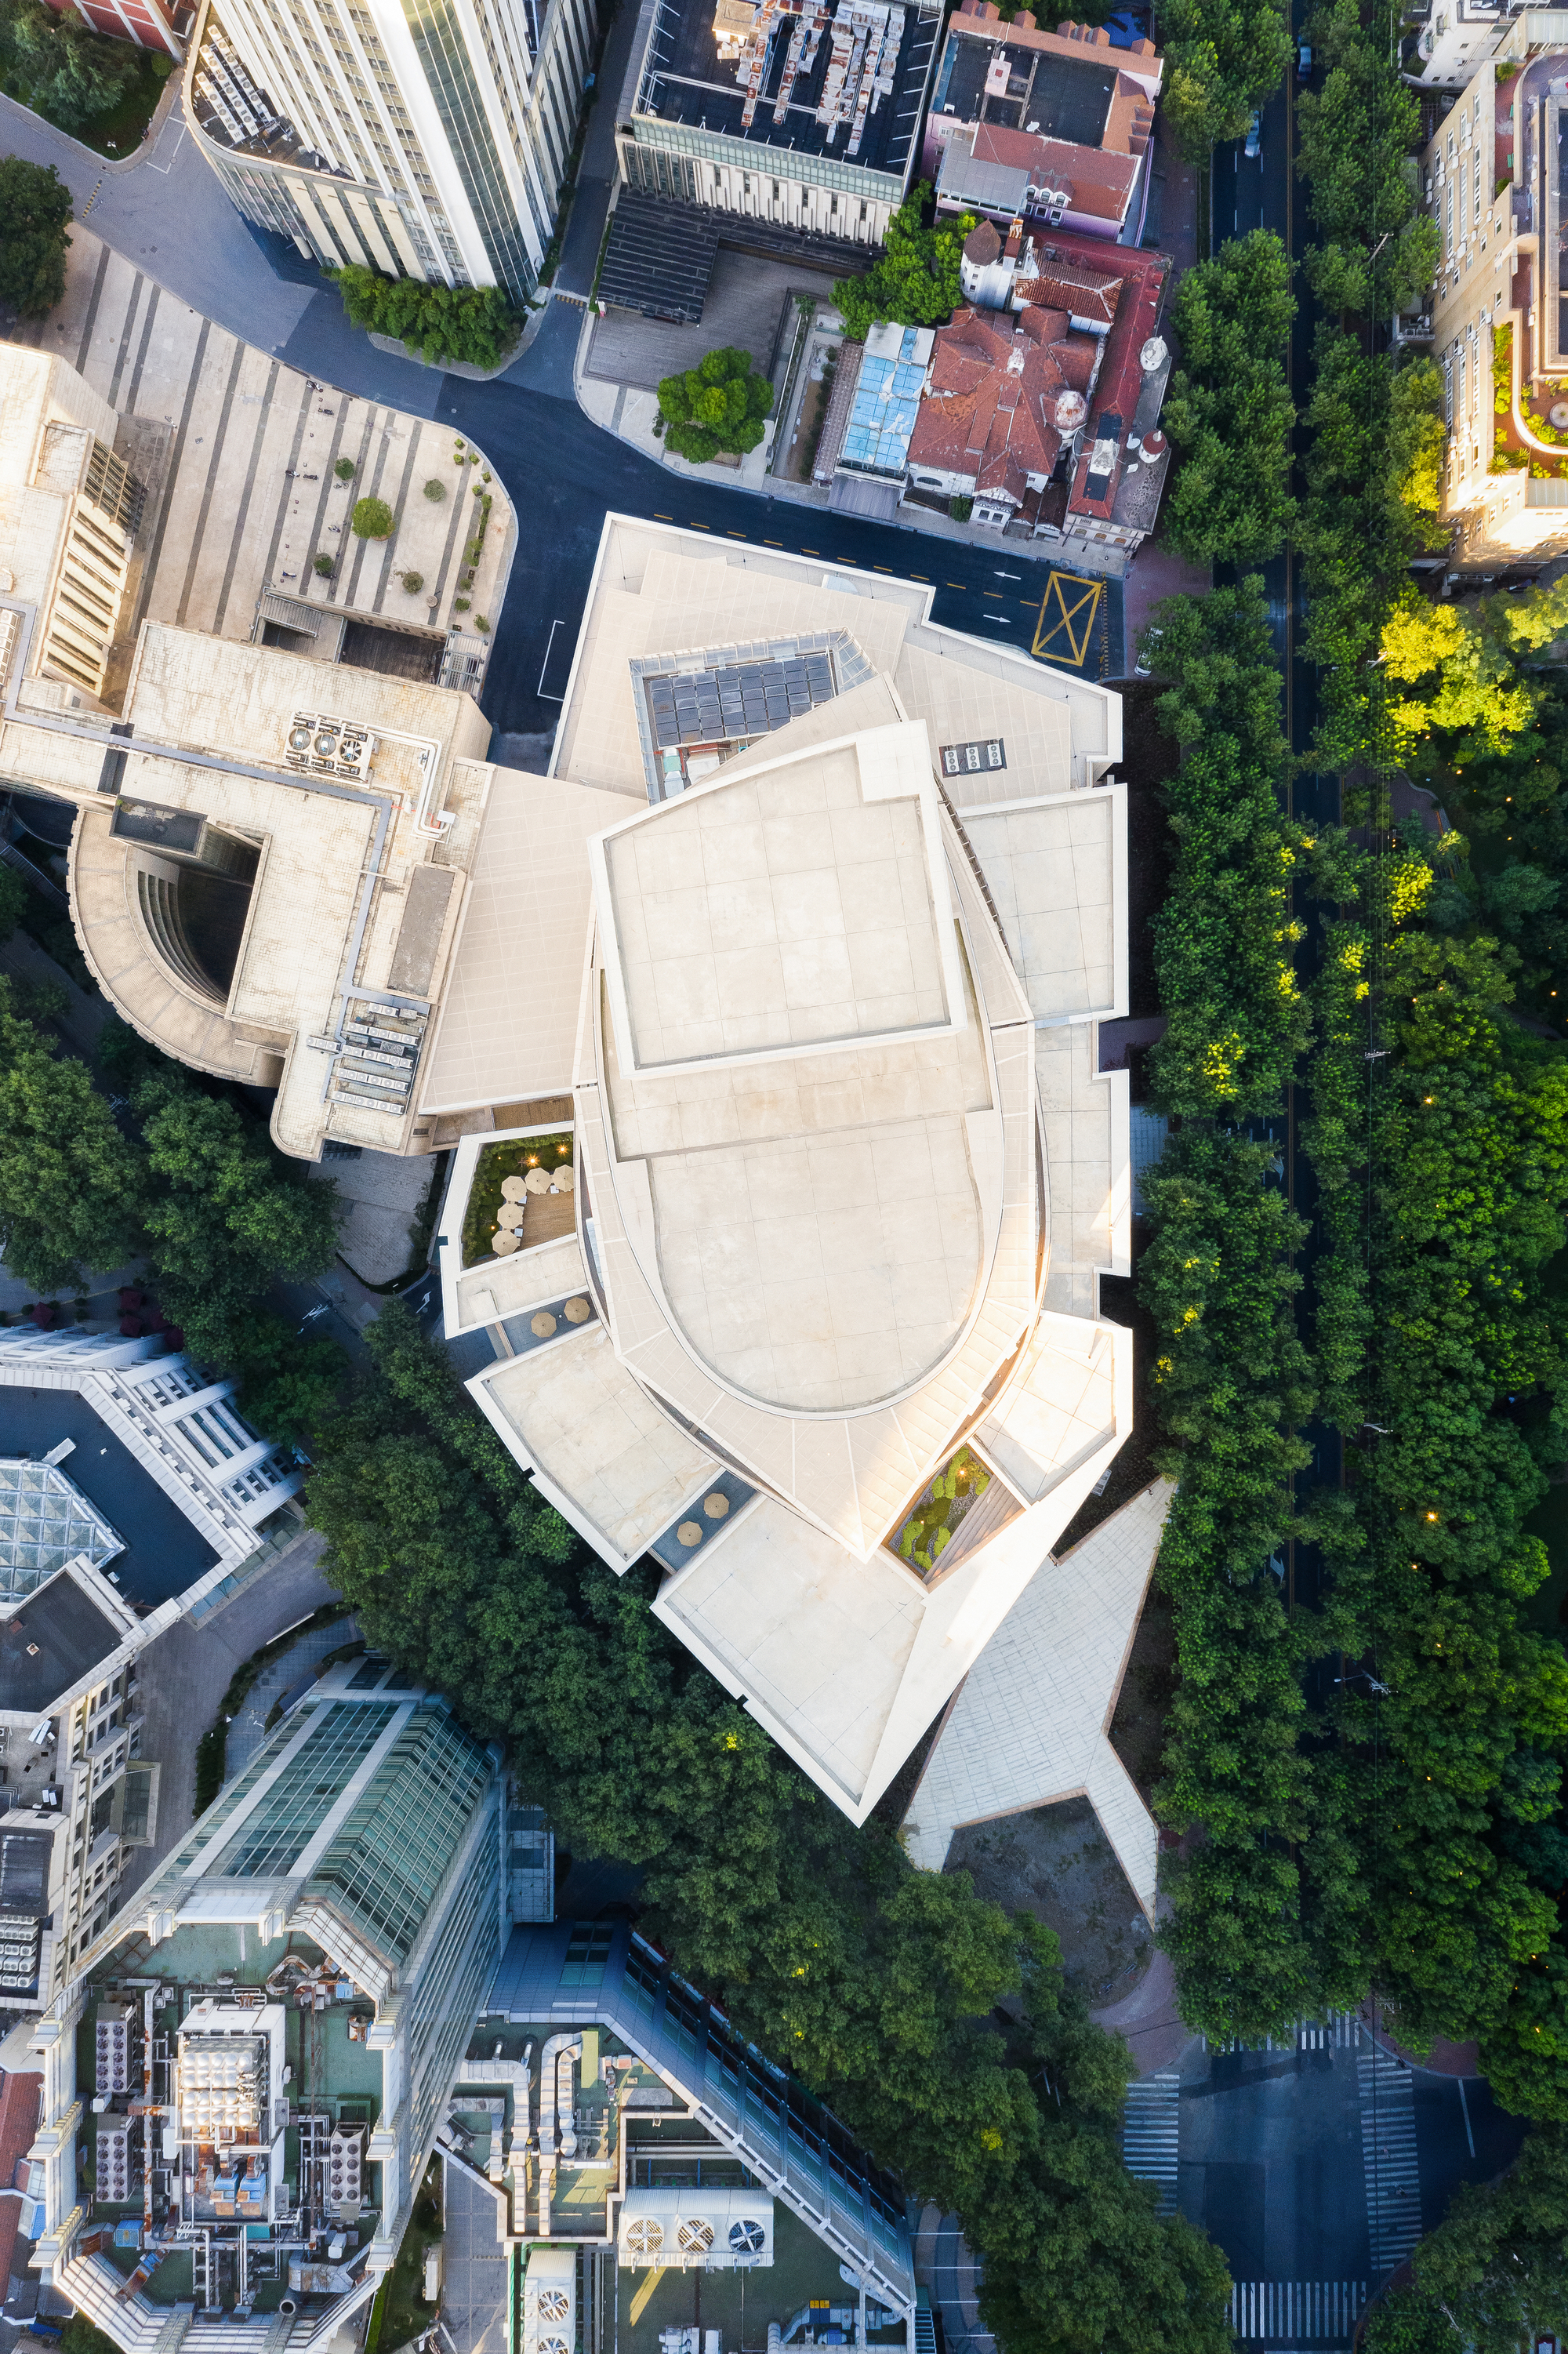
{"x": 83, "y": 1800}
{"x": 427, "y": 139}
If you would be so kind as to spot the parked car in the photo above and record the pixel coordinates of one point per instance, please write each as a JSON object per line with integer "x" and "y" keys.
{"x": 1255, "y": 132}
{"x": 1304, "y": 63}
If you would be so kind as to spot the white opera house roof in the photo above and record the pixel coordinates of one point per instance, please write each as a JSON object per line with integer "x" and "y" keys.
{"x": 846, "y": 1171}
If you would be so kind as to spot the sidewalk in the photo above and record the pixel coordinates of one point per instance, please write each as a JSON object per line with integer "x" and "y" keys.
{"x": 628, "y": 411}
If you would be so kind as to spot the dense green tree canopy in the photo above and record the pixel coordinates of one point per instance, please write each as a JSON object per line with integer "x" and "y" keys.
{"x": 70, "y": 1185}
{"x": 1223, "y": 59}
{"x": 916, "y": 280}
{"x": 473, "y": 325}
{"x": 223, "y": 1215}
{"x": 1225, "y": 938}
{"x": 1493, "y": 2278}
{"x": 1228, "y": 411}
{"x": 930, "y": 2020}
{"x": 59, "y": 66}
{"x": 715, "y": 407}
{"x": 34, "y": 214}
{"x": 1379, "y": 251}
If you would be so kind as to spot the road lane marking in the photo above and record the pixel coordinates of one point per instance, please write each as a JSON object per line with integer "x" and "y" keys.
{"x": 772, "y": 543}
{"x": 659, "y": 518}
{"x": 736, "y": 534}
{"x": 957, "y": 583}
{"x": 701, "y": 526}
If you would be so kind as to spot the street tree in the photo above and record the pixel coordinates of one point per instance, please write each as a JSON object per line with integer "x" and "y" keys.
{"x": 717, "y": 406}
{"x": 1223, "y": 59}
{"x": 70, "y": 1185}
{"x": 225, "y": 1214}
{"x": 1493, "y": 2276}
{"x": 1228, "y": 412}
{"x": 34, "y": 214}
{"x": 916, "y": 282}
{"x": 476, "y": 325}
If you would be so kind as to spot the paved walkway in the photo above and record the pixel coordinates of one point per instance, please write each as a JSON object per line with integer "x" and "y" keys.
{"x": 240, "y": 450}
{"x": 1031, "y": 1722}
{"x": 473, "y": 2264}
{"x": 287, "y": 1675}
{"x": 185, "y": 1674}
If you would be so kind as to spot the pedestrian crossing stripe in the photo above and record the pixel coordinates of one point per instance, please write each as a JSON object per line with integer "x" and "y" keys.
{"x": 1293, "y": 2314}
{"x": 1388, "y": 2158}
{"x": 1340, "y": 2032}
{"x": 1150, "y": 2132}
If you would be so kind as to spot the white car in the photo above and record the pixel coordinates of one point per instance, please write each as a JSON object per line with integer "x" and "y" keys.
{"x": 1255, "y": 134}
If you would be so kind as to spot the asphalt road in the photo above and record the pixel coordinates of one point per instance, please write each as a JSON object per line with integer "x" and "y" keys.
{"x": 168, "y": 214}
{"x": 1272, "y": 2157}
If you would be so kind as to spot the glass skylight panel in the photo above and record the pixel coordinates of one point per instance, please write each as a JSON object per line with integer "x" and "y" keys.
{"x": 45, "y": 1521}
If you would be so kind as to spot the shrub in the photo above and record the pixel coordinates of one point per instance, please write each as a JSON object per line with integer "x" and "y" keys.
{"x": 434, "y": 490}
{"x": 323, "y": 564}
{"x": 960, "y": 508}
{"x": 344, "y": 470}
{"x": 373, "y": 519}
{"x": 482, "y": 625}
{"x": 476, "y": 325}
{"x": 460, "y": 604}
{"x": 413, "y": 582}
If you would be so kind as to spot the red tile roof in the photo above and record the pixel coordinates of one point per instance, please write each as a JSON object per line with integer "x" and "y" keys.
{"x": 996, "y": 386}
{"x": 996, "y": 377}
{"x": 1096, "y": 182}
{"x": 20, "y": 2101}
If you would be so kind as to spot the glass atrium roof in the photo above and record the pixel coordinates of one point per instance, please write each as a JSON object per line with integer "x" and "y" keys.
{"x": 882, "y": 420}
{"x": 45, "y": 1521}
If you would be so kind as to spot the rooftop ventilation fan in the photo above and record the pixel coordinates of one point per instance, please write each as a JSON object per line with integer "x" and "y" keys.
{"x": 644, "y": 2235}
{"x": 554, "y": 2346}
{"x": 554, "y": 2305}
{"x": 695, "y": 2235}
{"x": 299, "y": 739}
{"x": 747, "y": 2237}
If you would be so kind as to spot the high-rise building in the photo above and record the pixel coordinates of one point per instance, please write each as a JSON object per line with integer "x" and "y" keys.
{"x": 143, "y": 1500}
{"x": 425, "y": 140}
{"x": 266, "y": 2040}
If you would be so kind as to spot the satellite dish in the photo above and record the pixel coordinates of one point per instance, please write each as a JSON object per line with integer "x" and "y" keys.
{"x": 1153, "y": 354}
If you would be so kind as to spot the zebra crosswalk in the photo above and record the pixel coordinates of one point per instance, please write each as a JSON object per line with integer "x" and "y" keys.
{"x": 1297, "y": 2314}
{"x": 1388, "y": 2157}
{"x": 1340, "y": 2031}
{"x": 1149, "y": 2133}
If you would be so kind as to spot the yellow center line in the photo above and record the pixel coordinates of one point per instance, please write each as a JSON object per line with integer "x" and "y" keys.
{"x": 701, "y": 526}
{"x": 736, "y": 534}
{"x": 881, "y": 568}
{"x": 659, "y": 518}
{"x": 991, "y": 592}
{"x": 772, "y": 543}
{"x": 957, "y": 583}
{"x": 920, "y": 576}
{"x": 810, "y": 551}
